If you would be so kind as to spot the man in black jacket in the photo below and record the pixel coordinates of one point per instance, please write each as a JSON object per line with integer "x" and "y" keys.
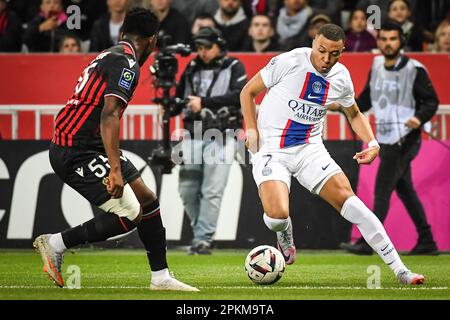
{"x": 211, "y": 85}
{"x": 105, "y": 32}
{"x": 403, "y": 98}
{"x": 172, "y": 21}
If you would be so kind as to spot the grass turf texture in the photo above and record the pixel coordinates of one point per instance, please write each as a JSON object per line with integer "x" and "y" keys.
{"x": 124, "y": 274}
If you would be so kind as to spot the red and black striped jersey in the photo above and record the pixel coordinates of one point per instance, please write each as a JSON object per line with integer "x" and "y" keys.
{"x": 114, "y": 72}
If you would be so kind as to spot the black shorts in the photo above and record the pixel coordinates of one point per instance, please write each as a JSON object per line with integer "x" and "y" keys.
{"x": 85, "y": 170}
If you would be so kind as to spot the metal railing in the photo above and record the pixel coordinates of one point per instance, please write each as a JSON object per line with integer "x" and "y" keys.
{"x": 129, "y": 120}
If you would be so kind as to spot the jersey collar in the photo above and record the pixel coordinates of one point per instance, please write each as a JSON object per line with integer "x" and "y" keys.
{"x": 129, "y": 44}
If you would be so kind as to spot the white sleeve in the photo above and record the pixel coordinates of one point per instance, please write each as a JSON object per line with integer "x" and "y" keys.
{"x": 275, "y": 70}
{"x": 348, "y": 95}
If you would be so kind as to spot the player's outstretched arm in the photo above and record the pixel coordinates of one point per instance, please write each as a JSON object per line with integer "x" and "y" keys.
{"x": 360, "y": 124}
{"x": 247, "y": 97}
{"x": 110, "y": 131}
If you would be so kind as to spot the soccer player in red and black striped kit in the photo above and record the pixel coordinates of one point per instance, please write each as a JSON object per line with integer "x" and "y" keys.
{"x": 85, "y": 154}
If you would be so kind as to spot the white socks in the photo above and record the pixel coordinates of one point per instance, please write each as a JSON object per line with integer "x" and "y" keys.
{"x": 276, "y": 225}
{"x": 161, "y": 275}
{"x": 57, "y": 243}
{"x": 355, "y": 211}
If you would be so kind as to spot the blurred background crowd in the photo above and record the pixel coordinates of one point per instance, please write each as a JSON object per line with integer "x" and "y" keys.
{"x": 246, "y": 25}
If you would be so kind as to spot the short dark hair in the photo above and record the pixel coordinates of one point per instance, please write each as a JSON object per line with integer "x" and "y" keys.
{"x": 204, "y": 15}
{"x": 141, "y": 22}
{"x": 69, "y": 35}
{"x": 354, "y": 12}
{"x": 391, "y": 26}
{"x": 404, "y": 1}
{"x": 271, "y": 22}
{"x": 332, "y": 32}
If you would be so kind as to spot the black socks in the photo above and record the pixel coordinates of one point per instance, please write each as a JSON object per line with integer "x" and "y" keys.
{"x": 153, "y": 235}
{"x": 100, "y": 228}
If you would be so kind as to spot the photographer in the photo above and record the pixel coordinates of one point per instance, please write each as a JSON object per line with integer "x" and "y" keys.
{"x": 210, "y": 86}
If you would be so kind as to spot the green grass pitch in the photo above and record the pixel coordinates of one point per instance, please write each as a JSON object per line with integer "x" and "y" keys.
{"x": 124, "y": 274}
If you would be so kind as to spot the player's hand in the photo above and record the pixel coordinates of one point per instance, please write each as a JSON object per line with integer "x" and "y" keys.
{"x": 49, "y": 24}
{"x": 252, "y": 140}
{"x": 114, "y": 184}
{"x": 413, "y": 123}
{"x": 195, "y": 103}
{"x": 367, "y": 156}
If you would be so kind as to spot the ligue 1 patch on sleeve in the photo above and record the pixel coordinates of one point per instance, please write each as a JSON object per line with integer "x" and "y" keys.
{"x": 272, "y": 63}
{"x": 126, "y": 79}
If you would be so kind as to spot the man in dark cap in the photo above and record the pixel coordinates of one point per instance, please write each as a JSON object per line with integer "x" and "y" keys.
{"x": 210, "y": 86}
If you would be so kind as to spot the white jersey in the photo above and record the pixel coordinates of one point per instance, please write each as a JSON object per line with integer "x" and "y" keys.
{"x": 294, "y": 107}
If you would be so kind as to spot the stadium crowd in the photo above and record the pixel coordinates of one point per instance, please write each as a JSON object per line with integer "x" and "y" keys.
{"x": 247, "y": 25}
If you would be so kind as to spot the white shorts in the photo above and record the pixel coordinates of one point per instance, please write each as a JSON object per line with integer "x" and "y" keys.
{"x": 310, "y": 163}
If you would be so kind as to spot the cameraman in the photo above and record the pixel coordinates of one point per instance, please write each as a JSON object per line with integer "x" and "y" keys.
{"x": 210, "y": 87}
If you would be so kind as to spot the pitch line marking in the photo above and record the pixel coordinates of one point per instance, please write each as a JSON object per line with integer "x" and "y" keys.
{"x": 238, "y": 287}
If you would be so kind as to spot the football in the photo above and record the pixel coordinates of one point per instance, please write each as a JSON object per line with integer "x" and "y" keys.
{"x": 264, "y": 265}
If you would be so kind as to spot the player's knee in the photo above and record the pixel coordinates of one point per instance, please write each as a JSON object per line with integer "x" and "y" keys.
{"x": 276, "y": 211}
{"x": 342, "y": 193}
{"x": 346, "y": 193}
{"x": 127, "y": 206}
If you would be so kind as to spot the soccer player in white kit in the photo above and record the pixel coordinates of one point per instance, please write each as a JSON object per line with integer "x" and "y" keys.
{"x": 286, "y": 140}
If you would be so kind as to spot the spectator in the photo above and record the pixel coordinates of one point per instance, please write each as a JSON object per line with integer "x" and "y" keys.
{"x": 399, "y": 11}
{"x": 233, "y": 23}
{"x": 10, "y": 29}
{"x": 428, "y": 14}
{"x": 192, "y": 8}
{"x": 45, "y": 30}
{"x": 26, "y": 10}
{"x": 314, "y": 25}
{"x": 91, "y": 11}
{"x": 202, "y": 20}
{"x": 106, "y": 30}
{"x": 211, "y": 82}
{"x": 329, "y": 8}
{"x": 442, "y": 37}
{"x": 70, "y": 43}
{"x": 292, "y": 24}
{"x": 357, "y": 38}
{"x": 265, "y": 7}
{"x": 172, "y": 22}
{"x": 261, "y": 35}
